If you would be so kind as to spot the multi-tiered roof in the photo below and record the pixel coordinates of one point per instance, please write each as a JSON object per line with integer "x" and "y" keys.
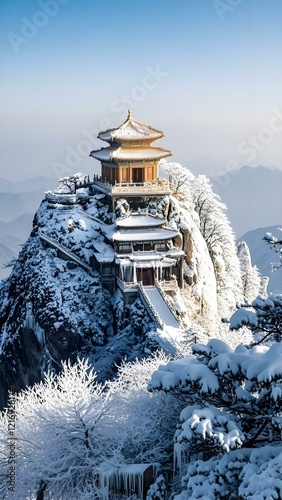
{"x": 130, "y": 158}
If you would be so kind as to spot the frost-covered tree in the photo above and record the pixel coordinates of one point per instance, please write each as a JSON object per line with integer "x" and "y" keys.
{"x": 230, "y": 431}
{"x": 250, "y": 274}
{"x": 148, "y": 419}
{"x": 218, "y": 234}
{"x": 157, "y": 490}
{"x": 263, "y": 317}
{"x": 179, "y": 177}
{"x": 275, "y": 243}
{"x": 71, "y": 430}
{"x": 65, "y": 432}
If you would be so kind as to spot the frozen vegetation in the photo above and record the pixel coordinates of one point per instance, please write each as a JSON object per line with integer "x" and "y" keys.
{"x": 105, "y": 393}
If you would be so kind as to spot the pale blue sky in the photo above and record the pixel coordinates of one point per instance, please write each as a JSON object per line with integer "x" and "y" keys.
{"x": 208, "y": 73}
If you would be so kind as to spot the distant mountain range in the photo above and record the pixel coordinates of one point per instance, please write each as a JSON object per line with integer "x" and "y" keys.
{"x": 262, "y": 255}
{"x": 19, "y": 198}
{"x": 212, "y": 166}
{"x": 18, "y": 204}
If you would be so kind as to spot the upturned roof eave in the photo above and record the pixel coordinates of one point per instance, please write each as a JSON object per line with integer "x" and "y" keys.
{"x": 157, "y": 154}
{"x": 157, "y": 134}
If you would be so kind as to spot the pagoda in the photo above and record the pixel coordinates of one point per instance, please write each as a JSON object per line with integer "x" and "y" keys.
{"x": 142, "y": 250}
{"x": 129, "y": 165}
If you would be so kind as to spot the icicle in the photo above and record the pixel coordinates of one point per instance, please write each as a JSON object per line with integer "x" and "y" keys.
{"x": 140, "y": 486}
{"x": 134, "y": 272}
{"x": 121, "y": 270}
{"x": 177, "y": 457}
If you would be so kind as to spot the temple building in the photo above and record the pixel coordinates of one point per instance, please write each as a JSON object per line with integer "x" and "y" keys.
{"x": 144, "y": 249}
{"x": 129, "y": 165}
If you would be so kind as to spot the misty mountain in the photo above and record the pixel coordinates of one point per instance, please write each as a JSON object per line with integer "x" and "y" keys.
{"x": 262, "y": 255}
{"x": 18, "y": 203}
{"x": 206, "y": 166}
{"x": 12, "y": 235}
{"x": 18, "y": 198}
{"x": 26, "y": 185}
{"x": 252, "y": 196}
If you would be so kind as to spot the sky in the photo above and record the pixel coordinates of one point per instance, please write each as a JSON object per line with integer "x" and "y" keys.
{"x": 206, "y": 72}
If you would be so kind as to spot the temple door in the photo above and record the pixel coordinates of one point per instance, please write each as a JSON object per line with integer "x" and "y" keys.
{"x": 148, "y": 277}
{"x": 137, "y": 174}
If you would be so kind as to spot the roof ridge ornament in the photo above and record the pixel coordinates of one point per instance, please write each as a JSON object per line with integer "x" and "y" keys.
{"x": 129, "y": 114}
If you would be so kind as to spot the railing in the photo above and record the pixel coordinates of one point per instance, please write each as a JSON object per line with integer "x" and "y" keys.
{"x": 150, "y": 309}
{"x": 164, "y": 296}
{"x": 169, "y": 284}
{"x": 161, "y": 186}
{"x": 123, "y": 285}
{"x": 66, "y": 251}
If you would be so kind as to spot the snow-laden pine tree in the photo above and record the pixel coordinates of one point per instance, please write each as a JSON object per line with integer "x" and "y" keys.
{"x": 228, "y": 440}
{"x": 263, "y": 317}
{"x": 218, "y": 234}
{"x": 250, "y": 274}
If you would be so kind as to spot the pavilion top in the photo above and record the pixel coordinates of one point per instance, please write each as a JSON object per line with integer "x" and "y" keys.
{"x": 131, "y": 131}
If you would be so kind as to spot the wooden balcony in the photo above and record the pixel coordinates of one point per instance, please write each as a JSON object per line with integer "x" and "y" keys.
{"x": 160, "y": 187}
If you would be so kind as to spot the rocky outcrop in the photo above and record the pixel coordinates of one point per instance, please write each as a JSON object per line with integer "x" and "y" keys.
{"x": 53, "y": 309}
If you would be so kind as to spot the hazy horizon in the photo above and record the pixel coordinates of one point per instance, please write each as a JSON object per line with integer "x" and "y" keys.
{"x": 205, "y": 72}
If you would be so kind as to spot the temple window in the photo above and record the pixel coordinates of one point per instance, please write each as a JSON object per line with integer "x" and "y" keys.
{"x": 124, "y": 248}
{"x": 106, "y": 270}
{"x": 160, "y": 246}
{"x": 148, "y": 247}
{"x": 137, "y": 247}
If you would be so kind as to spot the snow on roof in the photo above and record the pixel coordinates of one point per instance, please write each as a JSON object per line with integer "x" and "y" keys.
{"x": 129, "y": 153}
{"x": 104, "y": 248}
{"x": 104, "y": 253}
{"x": 145, "y": 235}
{"x": 101, "y": 258}
{"x": 131, "y": 130}
{"x": 140, "y": 220}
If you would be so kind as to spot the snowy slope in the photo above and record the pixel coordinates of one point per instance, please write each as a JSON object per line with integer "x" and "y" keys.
{"x": 262, "y": 255}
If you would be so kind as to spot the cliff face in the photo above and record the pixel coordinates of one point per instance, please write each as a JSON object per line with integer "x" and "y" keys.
{"x": 53, "y": 308}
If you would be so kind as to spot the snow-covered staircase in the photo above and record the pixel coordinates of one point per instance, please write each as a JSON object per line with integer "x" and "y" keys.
{"x": 157, "y": 306}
